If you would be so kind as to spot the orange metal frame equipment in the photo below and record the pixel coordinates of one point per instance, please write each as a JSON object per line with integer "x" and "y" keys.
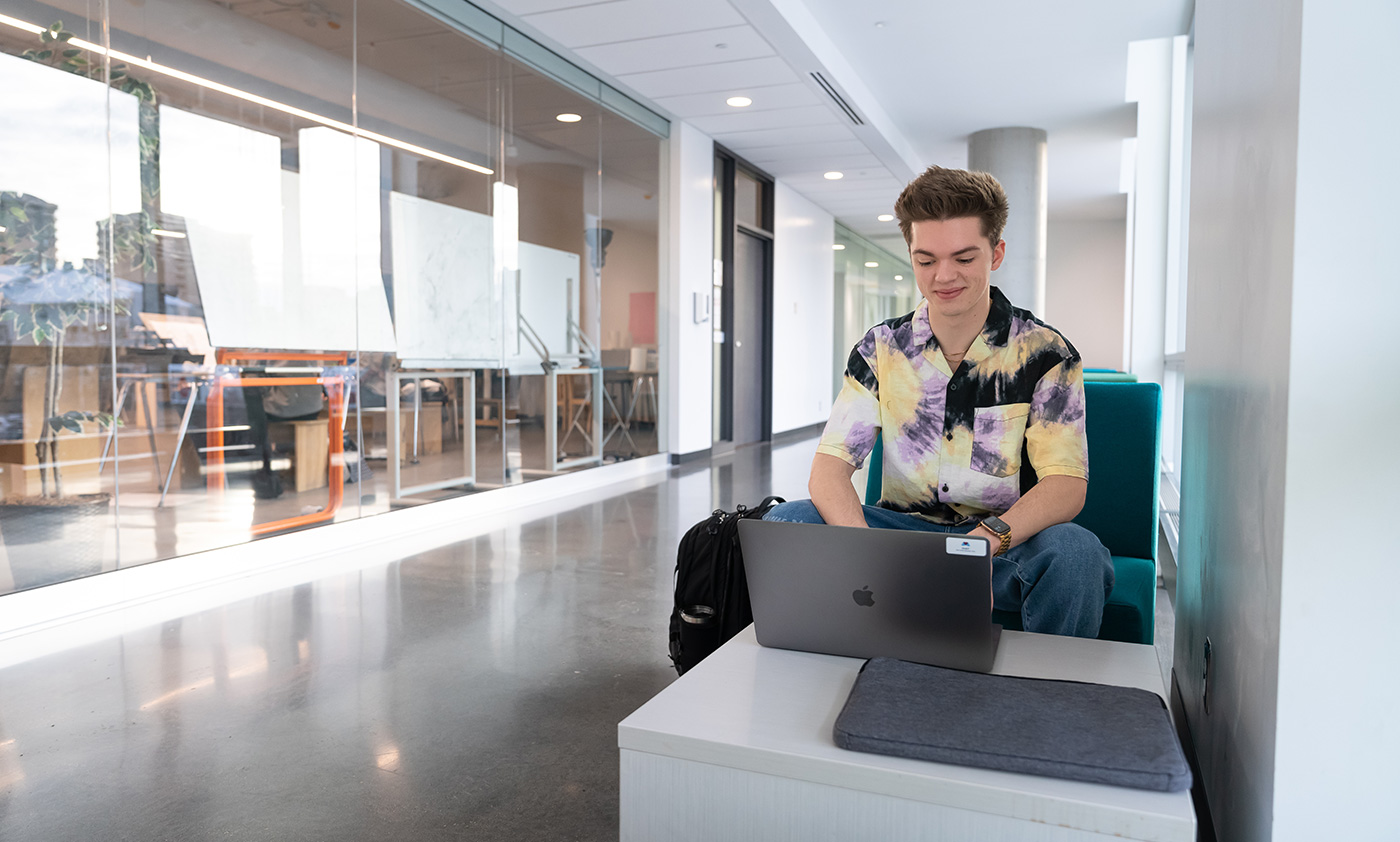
{"x": 335, "y": 391}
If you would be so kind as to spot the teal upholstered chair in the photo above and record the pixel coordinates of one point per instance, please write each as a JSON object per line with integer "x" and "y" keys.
{"x": 1106, "y": 375}
{"x": 1124, "y": 429}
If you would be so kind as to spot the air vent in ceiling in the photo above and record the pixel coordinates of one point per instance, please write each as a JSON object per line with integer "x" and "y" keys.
{"x": 837, "y": 98}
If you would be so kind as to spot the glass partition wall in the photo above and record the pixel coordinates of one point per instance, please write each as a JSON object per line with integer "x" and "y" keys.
{"x": 871, "y": 285}
{"x": 266, "y": 266}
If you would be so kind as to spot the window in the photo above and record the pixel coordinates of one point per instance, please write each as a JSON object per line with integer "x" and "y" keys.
{"x": 866, "y": 294}
{"x": 232, "y": 247}
{"x": 1178, "y": 227}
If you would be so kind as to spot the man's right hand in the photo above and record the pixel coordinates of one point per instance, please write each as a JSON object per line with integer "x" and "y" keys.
{"x": 832, "y": 492}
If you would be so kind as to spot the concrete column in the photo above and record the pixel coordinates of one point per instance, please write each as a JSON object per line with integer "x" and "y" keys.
{"x": 1017, "y": 157}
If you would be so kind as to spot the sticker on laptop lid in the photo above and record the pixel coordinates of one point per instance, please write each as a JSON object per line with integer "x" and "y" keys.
{"x": 967, "y": 546}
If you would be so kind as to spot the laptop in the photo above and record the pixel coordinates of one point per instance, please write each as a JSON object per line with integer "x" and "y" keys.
{"x": 863, "y": 593}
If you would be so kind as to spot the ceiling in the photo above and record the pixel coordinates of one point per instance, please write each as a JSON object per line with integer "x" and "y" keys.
{"x": 921, "y": 74}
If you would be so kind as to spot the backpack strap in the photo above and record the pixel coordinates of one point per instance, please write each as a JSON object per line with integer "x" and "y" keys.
{"x": 762, "y": 508}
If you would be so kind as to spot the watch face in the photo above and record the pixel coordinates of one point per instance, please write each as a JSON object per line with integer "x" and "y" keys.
{"x": 996, "y": 524}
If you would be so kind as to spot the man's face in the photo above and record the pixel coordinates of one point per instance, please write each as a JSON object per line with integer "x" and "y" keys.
{"x": 953, "y": 264}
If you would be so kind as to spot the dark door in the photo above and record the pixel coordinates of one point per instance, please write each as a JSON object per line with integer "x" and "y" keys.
{"x": 749, "y": 318}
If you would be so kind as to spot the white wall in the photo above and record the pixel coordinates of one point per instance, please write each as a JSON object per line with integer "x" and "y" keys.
{"x": 631, "y": 266}
{"x": 1234, "y": 466}
{"x": 689, "y": 224}
{"x": 803, "y": 326}
{"x": 1084, "y": 287}
{"x": 1288, "y": 477}
{"x": 1338, "y": 687}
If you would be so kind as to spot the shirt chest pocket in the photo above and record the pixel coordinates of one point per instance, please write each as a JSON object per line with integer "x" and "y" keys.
{"x": 998, "y": 433}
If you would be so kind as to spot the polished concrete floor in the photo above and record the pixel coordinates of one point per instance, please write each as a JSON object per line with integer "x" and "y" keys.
{"x": 470, "y": 692}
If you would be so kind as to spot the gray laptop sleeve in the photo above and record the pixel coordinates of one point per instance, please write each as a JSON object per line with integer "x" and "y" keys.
{"x": 1062, "y": 729}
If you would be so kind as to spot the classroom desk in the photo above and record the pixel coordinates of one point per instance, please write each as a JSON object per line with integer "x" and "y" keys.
{"x": 740, "y": 748}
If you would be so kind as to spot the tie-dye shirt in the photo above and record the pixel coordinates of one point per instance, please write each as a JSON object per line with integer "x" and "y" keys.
{"x": 955, "y": 441}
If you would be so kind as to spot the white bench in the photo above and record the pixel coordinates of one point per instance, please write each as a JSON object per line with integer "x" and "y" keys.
{"x": 740, "y": 748}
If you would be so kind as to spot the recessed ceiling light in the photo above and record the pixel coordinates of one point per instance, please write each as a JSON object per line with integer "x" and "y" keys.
{"x": 739, "y": 101}
{"x": 886, "y": 217}
{"x": 567, "y": 117}
{"x": 837, "y": 247}
{"x": 899, "y": 277}
{"x": 870, "y": 264}
{"x": 833, "y": 175}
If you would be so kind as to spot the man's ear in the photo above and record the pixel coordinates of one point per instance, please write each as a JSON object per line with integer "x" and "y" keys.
{"x": 998, "y": 254}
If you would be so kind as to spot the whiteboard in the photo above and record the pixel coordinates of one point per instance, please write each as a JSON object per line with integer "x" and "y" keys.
{"x": 283, "y": 260}
{"x": 549, "y": 300}
{"x": 446, "y": 309}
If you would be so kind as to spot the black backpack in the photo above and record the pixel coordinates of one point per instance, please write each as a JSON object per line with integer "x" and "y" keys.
{"x": 712, "y": 592}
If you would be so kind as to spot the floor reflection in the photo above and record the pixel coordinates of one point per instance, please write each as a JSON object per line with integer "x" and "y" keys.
{"x": 139, "y": 528}
{"x": 468, "y": 692}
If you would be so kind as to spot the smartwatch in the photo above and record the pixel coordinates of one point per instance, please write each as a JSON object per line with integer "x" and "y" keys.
{"x": 1001, "y": 530}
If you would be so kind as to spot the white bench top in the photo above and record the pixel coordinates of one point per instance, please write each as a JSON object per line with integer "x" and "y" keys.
{"x": 771, "y": 711}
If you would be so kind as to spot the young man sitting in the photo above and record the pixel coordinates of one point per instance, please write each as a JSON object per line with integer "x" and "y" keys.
{"x": 961, "y": 390}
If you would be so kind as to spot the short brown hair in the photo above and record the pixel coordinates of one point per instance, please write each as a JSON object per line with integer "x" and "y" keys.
{"x": 941, "y": 194}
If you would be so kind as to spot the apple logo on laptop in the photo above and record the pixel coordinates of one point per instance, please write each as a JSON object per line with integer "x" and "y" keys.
{"x": 864, "y": 596}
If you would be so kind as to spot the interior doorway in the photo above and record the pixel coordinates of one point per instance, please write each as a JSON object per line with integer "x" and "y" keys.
{"x": 743, "y": 295}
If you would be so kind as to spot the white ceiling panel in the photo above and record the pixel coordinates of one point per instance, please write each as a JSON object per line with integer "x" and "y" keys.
{"x": 774, "y": 137}
{"x": 871, "y": 205}
{"x": 771, "y": 96}
{"x": 885, "y": 191}
{"x": 862, "y": 217}
{"x": 852, "y": 180}
{"x": 804, "y": 150}
{"x": 688, "y": 49}
{"x": 630, "y": 20}
{"x": 874, "y": 227}
{"x": 869, "y": 188}
{"x": 863, "y": 209}
{"x": 880, "y": 196}
{"x": 787, "y": 168}
{"x": 880, "y": 200}
{"x": 711, "y": 77}
{"x": 746, "y": 119}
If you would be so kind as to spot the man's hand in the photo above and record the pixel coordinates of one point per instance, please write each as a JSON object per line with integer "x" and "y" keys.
{"x": 832, "y": 493}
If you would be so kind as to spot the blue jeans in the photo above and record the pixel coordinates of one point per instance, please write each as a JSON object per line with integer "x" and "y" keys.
{"x": 1057, "y": 581}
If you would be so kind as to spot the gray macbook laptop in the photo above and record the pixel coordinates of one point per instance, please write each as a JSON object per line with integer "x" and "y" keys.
{"x": 864, "y": 593}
